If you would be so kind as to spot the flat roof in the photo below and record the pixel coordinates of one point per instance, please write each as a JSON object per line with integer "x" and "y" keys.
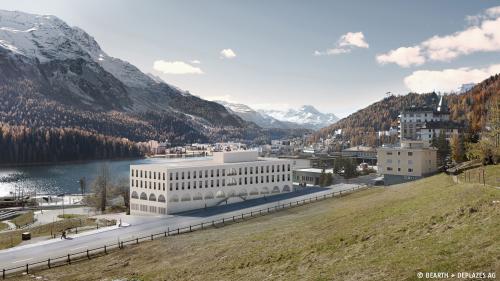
{"x": 201, "y": 163}
{"x": 314, "y": 170}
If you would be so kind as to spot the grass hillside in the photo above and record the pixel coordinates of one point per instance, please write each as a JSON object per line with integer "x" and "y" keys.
{"x": 376, "y": 234}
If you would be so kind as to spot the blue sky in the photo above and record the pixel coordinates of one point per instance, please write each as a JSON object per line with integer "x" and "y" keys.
{"x": 269, "y": 59}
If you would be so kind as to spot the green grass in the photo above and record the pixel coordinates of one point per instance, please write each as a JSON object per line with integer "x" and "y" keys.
{"x": 3, "y": 226}
{"x": 376, "y": 234}
{"x": 491, "y": 173}
{"x": 24, "y": 219}
{"x": 70, "y": 216}
{"x": 13, "y": 238}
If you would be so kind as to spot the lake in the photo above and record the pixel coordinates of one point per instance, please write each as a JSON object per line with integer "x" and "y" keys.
{"x": 63, "y": 178}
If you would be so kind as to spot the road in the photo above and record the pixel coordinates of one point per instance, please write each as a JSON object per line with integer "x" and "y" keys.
{"x": 41, "y": 251}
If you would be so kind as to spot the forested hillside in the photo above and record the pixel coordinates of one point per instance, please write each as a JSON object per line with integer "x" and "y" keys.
{"x": 469, "y": 108}
{"x": 22, "y": 145}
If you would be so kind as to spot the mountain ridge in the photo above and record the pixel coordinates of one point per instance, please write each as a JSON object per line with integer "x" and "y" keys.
{"x": 43, "y": 59}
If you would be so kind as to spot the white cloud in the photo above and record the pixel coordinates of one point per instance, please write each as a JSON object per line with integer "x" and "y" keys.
{"x": 175, "y": 67}
{"x": 227, "y": 53}
{"x": 404, "y": 56}
{"x": 482, "y": 35}
{"x": 447, "y": 80}
{"x": 345, "y": 44}
{"x": 356, "y": 39}
{"x": 195, "y": 62}
{"x": 335, "y": 51}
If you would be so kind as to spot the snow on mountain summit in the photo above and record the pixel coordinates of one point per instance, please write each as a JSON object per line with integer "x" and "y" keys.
{"x": 48, "y": 38}
{"x": 305, "y": 115}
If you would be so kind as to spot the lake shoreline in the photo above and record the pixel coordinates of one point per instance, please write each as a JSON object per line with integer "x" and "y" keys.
{"x": 34, "y": 164}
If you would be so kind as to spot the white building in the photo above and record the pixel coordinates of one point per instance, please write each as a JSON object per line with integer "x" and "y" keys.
{"x": 230, "y": 177}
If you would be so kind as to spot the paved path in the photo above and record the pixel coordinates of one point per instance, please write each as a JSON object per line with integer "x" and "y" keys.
{"x": 21, "y": 255}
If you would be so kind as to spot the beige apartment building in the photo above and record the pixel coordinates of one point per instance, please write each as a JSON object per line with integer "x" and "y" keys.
{"x": 409, "y": 161}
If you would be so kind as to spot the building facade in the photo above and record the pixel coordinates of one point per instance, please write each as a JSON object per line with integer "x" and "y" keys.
{"x": 309, "y": 176}
{"x": 409, "y": 161}
{"x": 230, "y": 177}
{"x": 363, "y": 154}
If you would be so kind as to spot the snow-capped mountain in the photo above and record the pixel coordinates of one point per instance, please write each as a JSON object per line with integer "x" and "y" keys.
{"x": 465, "y": 87}
{"x": 44, "y": 59}
{"x": 306, "y": 116}
{"x": 261, "y": 119}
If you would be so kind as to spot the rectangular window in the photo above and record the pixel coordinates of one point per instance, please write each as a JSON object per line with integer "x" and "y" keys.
{"x": 189, "y": 175}
{"x": 246, "y": 170}
{"x": 389, "y": 168}
{"x": 182, "y": 176}
{"x": 189, "y": 185}
{"x": 389, "y": 153}
{"x": 171, "y": 186}
{"x": 410, "y": 170}
{"x": 410, "y": 153}
{"x": 223, "y": 172}
{"x": 289, "y": 167}
{"x": 170, "y": 176}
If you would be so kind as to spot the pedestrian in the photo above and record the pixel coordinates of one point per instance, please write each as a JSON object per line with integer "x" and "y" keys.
{"x": 63, "y": 235}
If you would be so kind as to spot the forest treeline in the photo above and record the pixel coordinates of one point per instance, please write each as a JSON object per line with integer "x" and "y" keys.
{"x": 21, "y": 145}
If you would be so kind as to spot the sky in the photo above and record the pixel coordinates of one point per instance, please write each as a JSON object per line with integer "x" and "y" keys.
{"x": 338, "y": 56}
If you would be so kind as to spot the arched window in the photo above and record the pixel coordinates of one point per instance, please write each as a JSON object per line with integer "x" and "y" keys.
{"x": 134, "y": 195}
{"x": 286, "y": 188}
{"x": 231, "y": 193}
{"x": 173, "y": 198}
{"x": 144, "y": 196}
{"x": 243, "y": 192}
{"x": 161, "y": 198}
{"x": 276, "y": 189}
{"x": 220, "y": 194}
{"x": 198, "y": 196}
{"x": 254, "y": 191}
{"x": 152, "y": 197}
{"x": 186, "y": 197}
{"x": 209, "y": 195}
{"x": 264, "y": 190}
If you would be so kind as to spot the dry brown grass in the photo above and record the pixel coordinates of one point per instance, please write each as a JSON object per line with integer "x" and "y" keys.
{"x": 376, "y": 234}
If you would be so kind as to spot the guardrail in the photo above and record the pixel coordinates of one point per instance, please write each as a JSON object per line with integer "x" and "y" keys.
{"x": 89, "y": 253}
